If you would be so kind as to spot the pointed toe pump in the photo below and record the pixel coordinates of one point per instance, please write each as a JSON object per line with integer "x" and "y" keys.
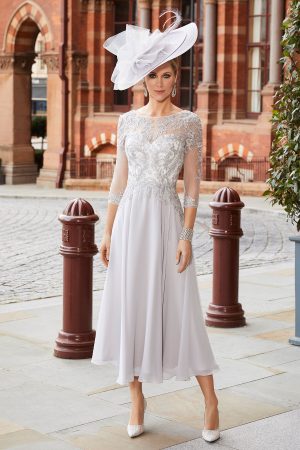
{"x": 136, "y": 430}
{"x": 210, "y": 435}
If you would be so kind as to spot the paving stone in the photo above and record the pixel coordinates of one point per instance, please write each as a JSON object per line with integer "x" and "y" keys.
{"x": 111, "y": 434}
{"x": 47, "y": 408}
{"x": 31, "y": 440}
{"x": 30, "y": 238}
{"x": 281, "y": 432}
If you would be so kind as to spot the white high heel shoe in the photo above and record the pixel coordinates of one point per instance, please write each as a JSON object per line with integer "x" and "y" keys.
{"x": 210, "y": 435}
{"x": 135, "y": 430}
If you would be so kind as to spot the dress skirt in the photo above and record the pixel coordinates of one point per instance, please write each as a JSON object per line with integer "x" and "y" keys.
{"x": 150, "y": 321}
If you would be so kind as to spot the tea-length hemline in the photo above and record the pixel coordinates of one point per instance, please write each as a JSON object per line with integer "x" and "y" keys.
{"x": 166, "y": 375}
{"x": 150, "y": 316}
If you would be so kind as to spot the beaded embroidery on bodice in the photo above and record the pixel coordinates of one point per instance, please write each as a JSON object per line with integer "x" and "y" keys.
{"x": 151, "y": 152}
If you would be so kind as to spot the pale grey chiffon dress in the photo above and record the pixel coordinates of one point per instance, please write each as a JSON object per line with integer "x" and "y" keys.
{"x": 150, "y": 321}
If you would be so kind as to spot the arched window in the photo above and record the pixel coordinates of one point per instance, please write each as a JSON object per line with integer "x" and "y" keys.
{"x": 124, "y": 12}
{"x": 258, "y": 49}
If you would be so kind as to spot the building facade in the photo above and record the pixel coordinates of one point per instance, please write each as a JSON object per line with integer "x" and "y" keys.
{"x": 229, "y": 79}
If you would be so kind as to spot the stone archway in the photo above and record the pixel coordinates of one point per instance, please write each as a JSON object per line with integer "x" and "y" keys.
{"x": 13, "y": 39}
{"x": 235, "y": 168}
{"x": 232, "y": 162}
{"x": 233, "y": 149}
{"x": 95, "y": 143}
{"x": 102, "y": 149}
{"x": 16, "y": 59}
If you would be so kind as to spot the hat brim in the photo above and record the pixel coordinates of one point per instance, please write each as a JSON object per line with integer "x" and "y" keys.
{"x": 191, "y": 34}
{"x": 114, "y": 43}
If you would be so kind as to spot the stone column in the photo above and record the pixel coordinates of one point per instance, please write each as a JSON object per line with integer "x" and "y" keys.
{"x": 16, "y": 152}
{"x": 143, "y": 19}
{"x": 277, "y": 9}
{"x": 144, "y": 13}
{"x": 48, "y": 173}
{"x": 76, "y": 68}
{"x": 93, "y": 31}
{"x": 210, "y": 38}
{"x": 84, "y": 103}
{"x": 277, "y": 15}
{"x": 105, "y": 57}
{"x": 207, "y": 91}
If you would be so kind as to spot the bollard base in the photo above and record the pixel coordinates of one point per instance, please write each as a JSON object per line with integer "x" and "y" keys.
{"x": 74, "y": 345}
{"x": 225, "y": 316}
{"x": 294, "y": 340}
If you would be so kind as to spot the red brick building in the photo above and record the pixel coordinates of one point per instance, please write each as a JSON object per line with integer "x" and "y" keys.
{"x": 229, "y": 79}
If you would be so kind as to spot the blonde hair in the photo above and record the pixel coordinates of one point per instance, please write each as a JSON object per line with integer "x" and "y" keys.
{"x": 175, "y": 64}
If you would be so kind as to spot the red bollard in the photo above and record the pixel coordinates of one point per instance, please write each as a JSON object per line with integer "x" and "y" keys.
{"x": 76, "y": 339}
{"x": 225, "y": 311}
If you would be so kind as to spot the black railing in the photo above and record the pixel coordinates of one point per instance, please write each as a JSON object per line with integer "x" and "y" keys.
{"x": 235, "y": 169}
{"x": 90, "y": 167}
{"x": 230, "y": 169}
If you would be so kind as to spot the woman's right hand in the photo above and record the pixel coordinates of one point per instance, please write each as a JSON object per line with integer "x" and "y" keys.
{"x": 105, "y": 248}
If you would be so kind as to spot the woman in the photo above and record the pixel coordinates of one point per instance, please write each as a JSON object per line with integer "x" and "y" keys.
{"x": 150, "y": 322}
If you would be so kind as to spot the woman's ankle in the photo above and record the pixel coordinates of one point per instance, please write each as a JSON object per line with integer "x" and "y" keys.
{"x": 137, "y": 396}
{"x": 211, "y": 402}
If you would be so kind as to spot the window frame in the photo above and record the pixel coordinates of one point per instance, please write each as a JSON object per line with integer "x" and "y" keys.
{"x": 197, "y": 55}
{"x": 264, "y": 46}
{"x": 133, "y": 6}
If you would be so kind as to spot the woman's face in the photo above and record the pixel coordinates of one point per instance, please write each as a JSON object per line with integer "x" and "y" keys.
{"x": 160, "y": 82}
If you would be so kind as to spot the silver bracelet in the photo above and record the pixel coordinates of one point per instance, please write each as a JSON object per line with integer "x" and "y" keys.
{"x": 114, "y": 198}
{"x": 186, "y": 234}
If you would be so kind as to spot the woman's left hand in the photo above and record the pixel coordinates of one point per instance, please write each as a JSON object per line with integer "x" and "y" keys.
{"x": 183, "y": 254}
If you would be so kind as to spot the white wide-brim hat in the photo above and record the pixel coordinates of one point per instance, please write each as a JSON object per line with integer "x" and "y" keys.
{"x": 139, "y": 51}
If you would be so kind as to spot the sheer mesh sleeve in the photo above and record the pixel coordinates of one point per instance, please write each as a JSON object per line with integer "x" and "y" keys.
{"x": 120, "y": 175}
{"x": 192, "y": 163}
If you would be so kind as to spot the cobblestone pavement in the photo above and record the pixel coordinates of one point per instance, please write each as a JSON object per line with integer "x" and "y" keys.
{"x": 30, "y": 236}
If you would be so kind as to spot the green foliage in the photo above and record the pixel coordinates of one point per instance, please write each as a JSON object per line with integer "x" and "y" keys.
{"x": 284, "y": 172}
{"x": 39, "y": 126}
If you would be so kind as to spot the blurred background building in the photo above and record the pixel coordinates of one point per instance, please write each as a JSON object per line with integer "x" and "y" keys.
{"x": 59, "y": 111}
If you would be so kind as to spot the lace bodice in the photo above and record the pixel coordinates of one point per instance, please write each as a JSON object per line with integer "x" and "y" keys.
{"x": 151, "y": 152}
